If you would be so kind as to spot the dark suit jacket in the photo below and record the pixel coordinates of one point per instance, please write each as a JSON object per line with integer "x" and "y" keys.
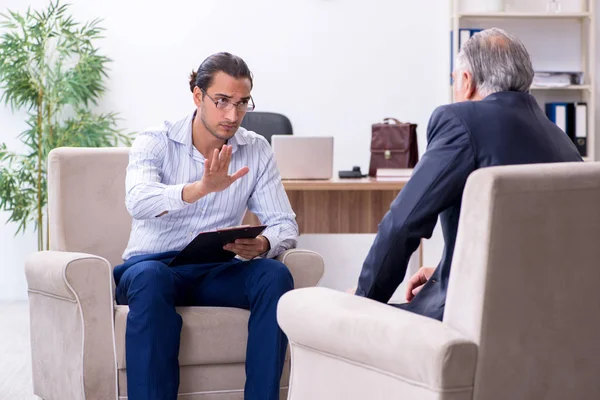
{"x": 504, "y": 128}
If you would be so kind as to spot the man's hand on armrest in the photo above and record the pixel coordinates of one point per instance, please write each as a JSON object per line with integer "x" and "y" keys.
{"x": 417, "y": 281}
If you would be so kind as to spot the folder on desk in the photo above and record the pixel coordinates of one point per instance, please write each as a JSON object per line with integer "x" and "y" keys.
{"x": 394, "y": 172}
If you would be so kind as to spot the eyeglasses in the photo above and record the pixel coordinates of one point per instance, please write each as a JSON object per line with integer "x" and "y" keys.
{"x": 226, "y": 105}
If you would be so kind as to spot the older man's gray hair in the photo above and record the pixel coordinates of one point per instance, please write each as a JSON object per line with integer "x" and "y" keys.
{"x": 498, "y": 62}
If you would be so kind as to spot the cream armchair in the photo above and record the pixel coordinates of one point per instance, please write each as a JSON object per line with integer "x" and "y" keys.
{"x": 521, "y": 319}
{"x": 77, "y": 330}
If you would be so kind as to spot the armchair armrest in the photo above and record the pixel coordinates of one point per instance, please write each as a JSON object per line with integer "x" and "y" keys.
{"x": 378, "y": 336}
{"x": 306, "y": 266}
{"x": 46, "y": 273}
{"x": 72, "y": 325}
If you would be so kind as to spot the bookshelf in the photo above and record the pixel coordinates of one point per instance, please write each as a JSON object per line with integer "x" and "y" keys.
{"x": 571, "y": 87}
{"x": 585, "y": 18}
{"x": 529, "y": 15}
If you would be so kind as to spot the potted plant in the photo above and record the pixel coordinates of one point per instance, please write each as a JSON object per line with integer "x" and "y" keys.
{"x": 50, "y": 67}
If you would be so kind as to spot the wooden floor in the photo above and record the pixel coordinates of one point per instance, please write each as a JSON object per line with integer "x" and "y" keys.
{"x": 15, "y": 360}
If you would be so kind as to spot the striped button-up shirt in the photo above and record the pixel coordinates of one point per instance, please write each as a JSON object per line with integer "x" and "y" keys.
{"x": 162, "y": 161}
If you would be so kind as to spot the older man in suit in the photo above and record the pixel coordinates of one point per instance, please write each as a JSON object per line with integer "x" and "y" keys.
{"x": 495, "y": 121}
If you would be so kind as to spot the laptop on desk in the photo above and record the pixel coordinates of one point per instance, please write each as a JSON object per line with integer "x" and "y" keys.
{"x": 303, "y": 157}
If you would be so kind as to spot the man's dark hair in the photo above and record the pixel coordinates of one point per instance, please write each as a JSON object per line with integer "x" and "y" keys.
{"x": 232, "y": 65}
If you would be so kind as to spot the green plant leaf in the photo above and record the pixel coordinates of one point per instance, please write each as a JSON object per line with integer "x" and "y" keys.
{"x": 51, "y": 67}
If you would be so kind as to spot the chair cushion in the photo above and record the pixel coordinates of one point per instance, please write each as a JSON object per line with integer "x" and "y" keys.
{"x": 210, "y": 335}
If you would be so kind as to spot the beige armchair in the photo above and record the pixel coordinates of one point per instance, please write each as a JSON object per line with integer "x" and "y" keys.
{"x": 521, "y": 318}
{"x": 77, "y": 330}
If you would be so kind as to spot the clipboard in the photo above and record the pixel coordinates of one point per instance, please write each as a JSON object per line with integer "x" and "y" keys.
{"x": 207, "y": 247}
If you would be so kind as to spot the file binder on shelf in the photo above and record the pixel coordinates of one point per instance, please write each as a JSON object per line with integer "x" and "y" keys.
{"x": 581, "y": 130}
{"x": 563, "y": 115}
{"x": 572, "y": 119}
{"x": 463, "y": 35}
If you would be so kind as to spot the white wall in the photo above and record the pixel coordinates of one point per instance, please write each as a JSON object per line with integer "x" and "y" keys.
{"x": 333, "y": 67}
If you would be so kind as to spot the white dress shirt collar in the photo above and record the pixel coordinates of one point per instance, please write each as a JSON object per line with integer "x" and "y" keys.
{"x": 181, "y": 132}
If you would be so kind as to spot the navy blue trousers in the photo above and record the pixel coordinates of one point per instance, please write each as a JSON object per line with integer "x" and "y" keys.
{"x": 153, "y": 290}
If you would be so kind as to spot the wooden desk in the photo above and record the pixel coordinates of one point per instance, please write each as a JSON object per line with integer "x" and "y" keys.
{"x": 339, "y": 205}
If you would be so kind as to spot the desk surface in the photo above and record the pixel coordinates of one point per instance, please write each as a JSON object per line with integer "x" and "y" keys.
{"x": 347, "y": 184}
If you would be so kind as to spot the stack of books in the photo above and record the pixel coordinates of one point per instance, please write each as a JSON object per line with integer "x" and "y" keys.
{"x": 393, "y": 173}
{"x": 556, "y": 79}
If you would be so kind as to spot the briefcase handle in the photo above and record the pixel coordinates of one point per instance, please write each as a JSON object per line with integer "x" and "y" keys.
{"x": 387, "y": 121}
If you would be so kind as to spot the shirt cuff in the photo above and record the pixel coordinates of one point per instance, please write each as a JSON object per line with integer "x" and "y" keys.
{"x": 173, "y": 197}
{"x": 273, "y": 245}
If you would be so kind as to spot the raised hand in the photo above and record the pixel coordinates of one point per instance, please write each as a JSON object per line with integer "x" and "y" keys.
{"x": 216, "y": 176}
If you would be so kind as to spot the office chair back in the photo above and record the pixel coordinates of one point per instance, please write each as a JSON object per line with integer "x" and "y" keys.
{"x": 267, "y": 124}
